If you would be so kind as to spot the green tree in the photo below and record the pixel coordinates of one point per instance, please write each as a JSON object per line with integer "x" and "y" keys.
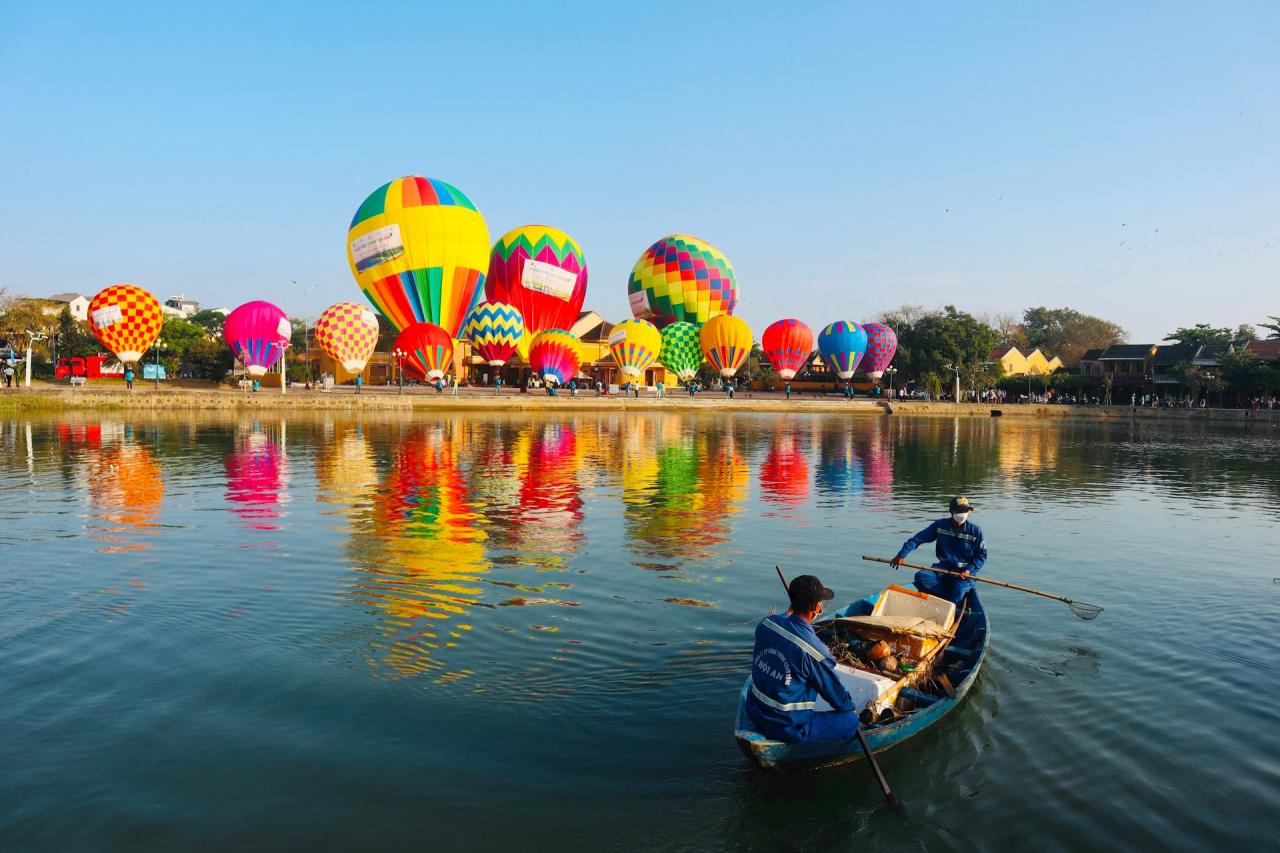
{"x": 1243, "y": 334}
{"x": 74, "y": 337}
{"x": 947, "y": 337}
{"x": 1067, "y": 333}
{"x": 210, "y": 321}
{"x": 1245, "y": 373}
{"x": 1273, "y": 327}
{"x": 1199, "y": 335}
{"x": 209, "y": 359}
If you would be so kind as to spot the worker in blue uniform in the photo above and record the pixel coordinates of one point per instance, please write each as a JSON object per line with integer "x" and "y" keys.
{"x": 960, "y": 548}
{"x": 791, "y": 667}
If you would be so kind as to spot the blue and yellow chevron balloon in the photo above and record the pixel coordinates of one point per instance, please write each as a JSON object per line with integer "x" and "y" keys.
{"x": 494, "y": 329}
{"x": 842, "y": 345}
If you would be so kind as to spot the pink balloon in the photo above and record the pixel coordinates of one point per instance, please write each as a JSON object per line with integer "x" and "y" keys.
{"x": 258, "y": 332}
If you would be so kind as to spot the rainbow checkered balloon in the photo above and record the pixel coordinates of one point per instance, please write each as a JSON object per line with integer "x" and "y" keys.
{"x": 681, "y": 351}
{"x": 494, "y": 329}
{"x": 681, "y": 278}
{"x": 126, "y": 319}
{"x": 349, "y": 334}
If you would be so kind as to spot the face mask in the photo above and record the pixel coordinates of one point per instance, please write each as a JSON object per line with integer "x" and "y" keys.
{"x": 959, "y": 517}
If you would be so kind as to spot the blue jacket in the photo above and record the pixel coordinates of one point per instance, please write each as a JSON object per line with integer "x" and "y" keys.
{"x": 789, "y": 669}
{"x": 960, "y": 550}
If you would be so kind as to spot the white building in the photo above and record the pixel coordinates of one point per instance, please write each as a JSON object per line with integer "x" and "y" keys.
{"x": 180, "y": 306}
{"x": 78, "y": 304}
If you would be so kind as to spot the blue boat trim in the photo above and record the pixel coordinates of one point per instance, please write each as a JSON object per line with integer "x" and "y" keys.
{"x": 969, "y": 646}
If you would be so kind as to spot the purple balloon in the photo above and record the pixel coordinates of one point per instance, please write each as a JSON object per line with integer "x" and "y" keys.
{"x": 882, "y": 344}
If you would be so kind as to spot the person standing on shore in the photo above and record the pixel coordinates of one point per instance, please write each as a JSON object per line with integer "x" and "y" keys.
{"x": 661, "y": 389}
{"x": 788, "y": 390}
{"x": 359, "y": 382}
{"x": 960, "y": 548}
{"x": 497, "y": 386}
{"x": 128, "y": 378}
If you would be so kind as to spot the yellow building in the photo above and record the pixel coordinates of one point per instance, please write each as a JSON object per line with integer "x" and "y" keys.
{"x": 1014, "y": 363}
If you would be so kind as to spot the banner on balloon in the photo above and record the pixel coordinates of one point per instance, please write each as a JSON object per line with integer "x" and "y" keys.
{"x": 640, "y": 305}
{"x": 376, "y": 247}
{"x": 108, "y": 316}
{"x": 550, "y": 279}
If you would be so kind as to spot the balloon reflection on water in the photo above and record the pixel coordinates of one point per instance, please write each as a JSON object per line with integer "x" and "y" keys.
{"x": 424, "y": 552}
{"x": 257, "y": 479}
{"x": 784, "y": 475}
{"x": 126, "y": 490}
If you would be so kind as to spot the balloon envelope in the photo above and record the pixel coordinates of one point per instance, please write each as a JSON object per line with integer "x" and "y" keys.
{"x": 681, "y": 351}
{"x": 257, "y": 332}
{"x": 542, "y": 272}
{"x": 726, "y": 342}
{"x": 681, "y": 278}
{"x": 427, "y": 350}
{"x": 635, "y": 345}
{"x": 419, "y": 249}
{"x": 126, "y": 320}
{"x": 349, "y": 334}
{"x": 842, "y": 345}
{"x": 882, "y": 344}
{"x": 495, "y": 329}
{"x": 787, "y": 344}
{"x": 554, "y": 354}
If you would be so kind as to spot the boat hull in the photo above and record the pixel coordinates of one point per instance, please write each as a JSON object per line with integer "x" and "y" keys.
{"x": 968, "y": 650}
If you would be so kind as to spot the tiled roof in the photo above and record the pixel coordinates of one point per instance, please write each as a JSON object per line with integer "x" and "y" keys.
{"x": 1174, "y": 354}
{"x": 999, "y": 353}
{"x": 1091, "y": 355}
{"x": 65, "y": 297}
{"x": 1265, "y": 350}
{"x": 1125, "y": 352}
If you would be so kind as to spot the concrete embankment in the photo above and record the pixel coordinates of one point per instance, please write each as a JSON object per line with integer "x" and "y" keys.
{"x": 52, "y": 398}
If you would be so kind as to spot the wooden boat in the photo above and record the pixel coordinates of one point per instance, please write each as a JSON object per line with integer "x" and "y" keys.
{"x": 917, "y": 700}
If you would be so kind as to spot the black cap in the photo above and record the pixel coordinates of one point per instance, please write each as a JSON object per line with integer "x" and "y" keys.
{"x": 961, "y": 504}
{"x": 806, "y": 591}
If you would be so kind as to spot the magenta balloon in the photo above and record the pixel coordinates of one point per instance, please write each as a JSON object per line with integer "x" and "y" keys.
{"x": 882, "y": 344}
{"x": 258, "y": 332}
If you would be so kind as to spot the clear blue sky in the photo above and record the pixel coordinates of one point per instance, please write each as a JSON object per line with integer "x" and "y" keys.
{"x": 1123, "y": 159}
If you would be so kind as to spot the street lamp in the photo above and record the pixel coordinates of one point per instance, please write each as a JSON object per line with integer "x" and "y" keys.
{"x": 891, "y": 371}
{"x": 306, "y": 335}
{"x": 159, "y": 346}
{"x": 32, "y": 337}
{"x": 399, "y": 355}
{"x": 957, "y": 372}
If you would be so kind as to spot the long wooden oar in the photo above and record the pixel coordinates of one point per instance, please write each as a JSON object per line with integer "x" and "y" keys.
{"x": 1087, "y": 612}
{"x": 894, "y": 803}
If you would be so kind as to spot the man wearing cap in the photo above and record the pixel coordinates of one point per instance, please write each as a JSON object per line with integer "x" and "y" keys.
{"x": 960, "y": 548}
{"x": 791, "y": 667}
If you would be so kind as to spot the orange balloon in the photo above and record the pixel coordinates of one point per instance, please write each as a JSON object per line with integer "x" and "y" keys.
{"x": 126, "y": 319}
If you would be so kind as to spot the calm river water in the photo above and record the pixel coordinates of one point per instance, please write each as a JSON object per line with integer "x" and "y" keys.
{"x": 477, "y": 632}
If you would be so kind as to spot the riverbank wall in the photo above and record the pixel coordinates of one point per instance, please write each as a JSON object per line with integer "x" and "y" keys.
{"x": 52, "y": 399}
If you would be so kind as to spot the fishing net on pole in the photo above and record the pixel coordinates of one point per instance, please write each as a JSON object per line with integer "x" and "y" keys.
{"x": 1087, "y": 612}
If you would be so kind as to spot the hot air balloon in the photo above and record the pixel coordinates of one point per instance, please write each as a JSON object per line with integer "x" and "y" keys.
{"x": 681, "y": 278}
{"x": 428, "y": 350}
{"x": 348, "y": 333}
{"x": 787, "y": 344}
{"x": 554, "y": 354}
{"x": 542, "y": 272}
{"x": 494, "y": 329}
{"x": 635, "y": 345}
{"x": 681, "y": 351}
{"x": 258, "y": 332}
{"x": 882, "y": 344}
{"x": 842, "y": 345}
{"x": 126, "y": 319}
{"x": 726, "y": 342}
{"x": 418, "y": 249}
